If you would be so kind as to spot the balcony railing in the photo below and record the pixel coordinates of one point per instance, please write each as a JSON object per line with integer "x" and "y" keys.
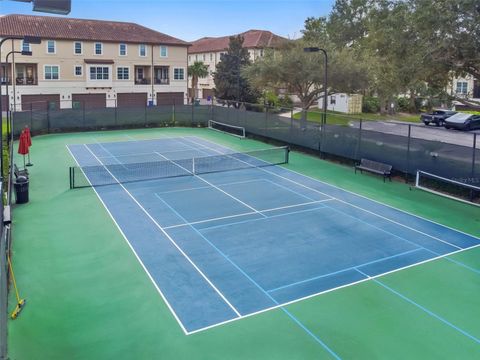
{"x": 26, "y": 81}
{"x": 162, "y": 81}
{"x": 5, "y": 81}
{"x": 142, "y": 82}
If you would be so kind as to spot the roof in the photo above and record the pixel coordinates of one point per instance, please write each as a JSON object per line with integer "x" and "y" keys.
{"x": 51, "y": 27}
{"x": 252, "y": 39}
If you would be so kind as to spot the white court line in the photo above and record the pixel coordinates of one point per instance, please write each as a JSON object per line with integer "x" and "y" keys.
{"x": 169, "y": 238}
{"x": 141, "y": 154}
{"x": 212, "y": 185}
{"x": 133, "y": 250}
{"x": 349, "y": 204}
{"x": 247, "y": 213}
{"x": 330, "y": 290}
{"x": 339, "y": 287}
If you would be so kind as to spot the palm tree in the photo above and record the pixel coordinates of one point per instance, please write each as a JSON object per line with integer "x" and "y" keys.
{"x": 197, "y": 70}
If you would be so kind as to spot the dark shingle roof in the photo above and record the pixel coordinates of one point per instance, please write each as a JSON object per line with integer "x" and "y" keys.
{"x": 251, "y": 39}
{"x": 50, "y": 27}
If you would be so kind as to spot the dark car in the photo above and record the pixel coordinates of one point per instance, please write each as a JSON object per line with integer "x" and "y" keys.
{"x": 437, "y": 117}
{"x": 462, "y": 121}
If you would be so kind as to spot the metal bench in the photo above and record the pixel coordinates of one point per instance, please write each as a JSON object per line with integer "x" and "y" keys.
{"x": 375, "y": 167}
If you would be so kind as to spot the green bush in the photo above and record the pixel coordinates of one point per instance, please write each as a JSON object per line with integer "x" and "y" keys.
{"x": 403, "y": 104}
{"x": 371, "y": 104}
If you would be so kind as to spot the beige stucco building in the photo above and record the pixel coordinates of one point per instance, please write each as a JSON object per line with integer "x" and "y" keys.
{"x": 209, "y": 51}
{"x": 90, "y": 63}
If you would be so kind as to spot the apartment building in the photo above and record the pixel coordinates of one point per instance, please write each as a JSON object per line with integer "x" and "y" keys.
{"x": 90, "y": 63}
{"x": 209, "y": 50}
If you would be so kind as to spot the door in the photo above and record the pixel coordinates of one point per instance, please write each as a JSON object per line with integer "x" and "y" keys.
{"x": 90, "y": 101}
{"x": 41, "y": 102}
{"x": 170, "y": 98}
{"x": 126, "y": 100}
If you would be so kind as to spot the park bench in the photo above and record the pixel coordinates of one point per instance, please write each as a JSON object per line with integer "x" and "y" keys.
{"x": 375, "y": 167}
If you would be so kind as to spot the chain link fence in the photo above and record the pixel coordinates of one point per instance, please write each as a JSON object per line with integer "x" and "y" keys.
{"x": 406, "y": 148}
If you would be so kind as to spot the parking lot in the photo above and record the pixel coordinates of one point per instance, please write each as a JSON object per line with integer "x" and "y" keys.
{"x": 420, "y": 131}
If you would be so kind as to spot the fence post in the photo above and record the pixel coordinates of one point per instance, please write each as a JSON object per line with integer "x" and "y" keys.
{"x": 358, "y": 155}
{"x": 173, "y": 112}
{"x": 266, "y": 122}
{"x": 31, "y": 118}
{"x": 48, "y": 117}
{"x": 193, "y": 115}
{"x": 3, "y": 294}
{"x": 407, "y": 170}
{"x": 473, "y": 163}
{"x": 83, "y": 109}
{"x": 145, "y": 116}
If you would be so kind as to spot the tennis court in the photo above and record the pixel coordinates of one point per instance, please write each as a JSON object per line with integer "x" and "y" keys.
{"x": 226, "y": 235}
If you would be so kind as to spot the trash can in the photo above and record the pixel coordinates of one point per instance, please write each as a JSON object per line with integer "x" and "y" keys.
{"x": 21, "y": 189}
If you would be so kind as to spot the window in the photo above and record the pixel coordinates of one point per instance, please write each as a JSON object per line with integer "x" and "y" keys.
{"x": 142, "y": 50}
{"x": 98, "y": 48}
{"x": 196, "y": 57}
{"x": 51, "y": 72}
{"x": 203, "y": 57}
{"x": 163, "y": 51}
{"x": 99, "y": 73}
{"x": 178, "y": 74}
{"x": 50, "y": 46}
{"x": 462, "y": 87}
{"x": 122, "y": 49}
{"x": 211, "y": 56}
{"x": 26, "y": 46}
{"x": 189, "y": 58}
{"x": 77, "y": 48}
{"x": 122, "y": 73}
{"x": 78, "y": 70}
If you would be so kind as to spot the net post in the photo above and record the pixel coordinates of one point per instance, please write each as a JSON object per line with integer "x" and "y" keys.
{"x": 474, "y": 147}
{"x": 287, "y": 154}
{"x": 193, "y": 166}
{"x": 417, "y": 178}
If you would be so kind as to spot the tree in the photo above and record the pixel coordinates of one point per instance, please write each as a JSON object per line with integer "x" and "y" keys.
{"x": 230, "y": 83}
{"x": 289, "y": 67}
{"x": 197, "y": 70}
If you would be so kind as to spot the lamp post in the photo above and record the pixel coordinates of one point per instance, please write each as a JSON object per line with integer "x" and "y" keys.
{"x": 30, "y": 40}
{"x": 9, "y": 118}
{"x": 325, "y": 94}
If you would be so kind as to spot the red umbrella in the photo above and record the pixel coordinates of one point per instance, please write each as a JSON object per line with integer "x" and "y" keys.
{"x": 29, "y": 142}
{"x": 23, "y": 146}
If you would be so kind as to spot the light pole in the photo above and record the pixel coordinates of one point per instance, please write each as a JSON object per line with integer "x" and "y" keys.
{"x": 9, "y": 118}
{"x": 30, "y": 40}
{"x": 325, "y": 83}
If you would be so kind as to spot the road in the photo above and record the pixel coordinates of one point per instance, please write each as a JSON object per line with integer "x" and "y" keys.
{"x": 420, "y": 131}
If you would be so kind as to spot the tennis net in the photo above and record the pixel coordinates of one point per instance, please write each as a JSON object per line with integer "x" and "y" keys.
{"x": 237, "y": 131}
{"x": 108, "y": 174}
{"x": 453, "y": 189}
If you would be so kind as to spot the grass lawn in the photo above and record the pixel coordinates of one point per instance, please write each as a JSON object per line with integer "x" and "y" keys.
{"x": 337, "y": 118}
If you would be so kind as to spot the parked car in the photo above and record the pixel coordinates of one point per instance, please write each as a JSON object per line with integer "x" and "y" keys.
{"x": 463, "y": 121}
{"x": 437, "y": 117}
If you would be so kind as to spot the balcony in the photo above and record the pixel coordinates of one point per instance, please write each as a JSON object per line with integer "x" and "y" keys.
{"x": 6, "y": 74}
{"x": 161, "y": 75}
{"x": 142, "y": 75}
{"x": 26, "y": 74}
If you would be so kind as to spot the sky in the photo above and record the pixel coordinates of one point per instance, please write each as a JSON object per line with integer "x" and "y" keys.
{"x": 190, "y": 20}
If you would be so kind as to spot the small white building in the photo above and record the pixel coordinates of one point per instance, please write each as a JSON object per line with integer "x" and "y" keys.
{"x": 344, "y": 103}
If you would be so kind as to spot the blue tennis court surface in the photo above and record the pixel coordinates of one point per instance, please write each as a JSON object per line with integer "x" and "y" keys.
{"x": 225, "y": 245}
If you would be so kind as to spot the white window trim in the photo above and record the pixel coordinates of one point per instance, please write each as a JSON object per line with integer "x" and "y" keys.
{"x": 54, "y": 47}
{"x": 129, "y": 73}
{"x": 75, "y": 70}
{"x": 81, "y": 48}
{"x": 44, "y": 72}
{"x": 29, "y": 46}
{"x": 140, "y": 49}
{"x": 184, "y": 73}
{"x": 119, "y": 50}
{"x": 166, "y": 51}
{"x": 95, "y": 49}
{"x": 110, "y": 72}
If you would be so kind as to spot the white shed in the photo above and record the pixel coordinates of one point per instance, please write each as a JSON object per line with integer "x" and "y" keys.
{"x": 344, "y": 103}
